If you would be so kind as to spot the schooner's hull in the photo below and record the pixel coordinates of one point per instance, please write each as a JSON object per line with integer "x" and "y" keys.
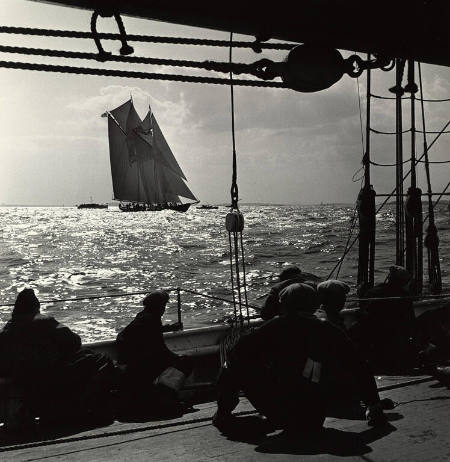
{"x": 92, "y": 206}
{"x": 153, "y": 207}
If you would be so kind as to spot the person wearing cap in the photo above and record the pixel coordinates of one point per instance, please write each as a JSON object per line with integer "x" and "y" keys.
{"x": 284, "y": 369}
{"x": 385, "y": 327}
{"x": 332, "y": 295}
{"x": 289, "y": 275}
{"x": 147, "y": 360}
{"x": 61, "y": 380}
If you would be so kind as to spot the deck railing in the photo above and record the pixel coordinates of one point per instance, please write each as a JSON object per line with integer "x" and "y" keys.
{"x": 179, "y": 290}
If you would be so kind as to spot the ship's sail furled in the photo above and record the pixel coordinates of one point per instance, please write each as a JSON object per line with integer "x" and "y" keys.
{"x": 143, "y": 166}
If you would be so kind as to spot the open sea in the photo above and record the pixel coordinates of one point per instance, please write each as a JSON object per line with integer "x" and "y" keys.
{"x": 63, "y": 252}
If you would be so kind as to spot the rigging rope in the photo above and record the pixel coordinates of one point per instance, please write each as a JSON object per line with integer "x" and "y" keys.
{"x": 387, "y": 199}
{"x": 235, "y": 220}
{"x": 105, "y": 13}
{"x": 141, "y": 38}
{"x": 366, "y": 211}
{"x": 431, "y": 238}
{"x": 399, "y": 206}
{"x": 355, "y": 210}
{"x": 439, "y": 198}
{"x": 407, "y": 97}
{"x": 379, "y": 132}
{"x": 238, "y": 68}
{"x": 234, "y": 224}
{"x": 136, "y": 74}
{"x": 377, "y": 164}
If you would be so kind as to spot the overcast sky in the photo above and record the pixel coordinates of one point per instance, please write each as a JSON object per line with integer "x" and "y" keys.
{"x": 292, "y": 147}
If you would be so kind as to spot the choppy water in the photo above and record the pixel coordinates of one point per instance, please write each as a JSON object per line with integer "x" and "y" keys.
{"x": 63, "y": 252}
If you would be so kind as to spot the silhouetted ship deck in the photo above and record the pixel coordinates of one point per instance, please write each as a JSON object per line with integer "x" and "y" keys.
{"x": 417, "y": 430}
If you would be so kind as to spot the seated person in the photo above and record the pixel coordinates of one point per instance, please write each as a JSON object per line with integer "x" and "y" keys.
{"x": 385, "y": 328}
{"x": 332, "y": 296}
{"x": 150, "y": 365}
{"x": 60, "y": 380}
{"x": 290, "y": 275}
{"x": 288, "y": 366}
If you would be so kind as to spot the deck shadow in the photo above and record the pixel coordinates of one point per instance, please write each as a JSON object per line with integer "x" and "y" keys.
{"x": 329, "y": 441}
{"x": 249, "y": 429}
{"x": 45, "y": 433}
{"x": 155, "y": 417}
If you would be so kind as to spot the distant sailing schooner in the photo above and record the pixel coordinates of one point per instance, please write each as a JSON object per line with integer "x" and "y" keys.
{"x": 146, "y": 176}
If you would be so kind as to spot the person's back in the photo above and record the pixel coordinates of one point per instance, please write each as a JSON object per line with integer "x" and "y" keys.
{"x": 332, "y": 296}
{"x": 288, "y": 365}
{"x": 59, "y": 378}
{"x": 34, "y": 344}
{"x": 152, "y": 373}
{"x": 37, "y": 344}
{"x": 141, "y": 344}
{"x": 290, "y": 275}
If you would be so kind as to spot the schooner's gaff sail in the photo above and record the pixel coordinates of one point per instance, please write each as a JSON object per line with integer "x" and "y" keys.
{"x": 144, "y": 171}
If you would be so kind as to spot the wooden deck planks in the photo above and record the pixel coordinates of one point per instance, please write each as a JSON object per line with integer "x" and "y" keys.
{"x": 418, "y": 431}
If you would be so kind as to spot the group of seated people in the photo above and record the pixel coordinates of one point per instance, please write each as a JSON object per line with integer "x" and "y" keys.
{"x": 307, "y": 356}
{"x": 303, "y": 359}
{"x": 62, "y": 381}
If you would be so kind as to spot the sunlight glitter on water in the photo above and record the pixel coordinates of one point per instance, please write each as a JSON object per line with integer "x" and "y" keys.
{"x": 67, "y": 253}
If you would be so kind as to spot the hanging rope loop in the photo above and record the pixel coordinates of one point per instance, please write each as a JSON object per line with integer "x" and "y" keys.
{"x": 107, "y": 13}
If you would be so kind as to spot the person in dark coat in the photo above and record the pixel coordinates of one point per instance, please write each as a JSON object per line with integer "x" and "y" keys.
{"x": 290, "y": 275}
{"x": 385, "y": 328}
{"x": 332, "y": 295}
{"x": 152, "y": 371}
{"x": 288, "y": 366}
{"x": 61, "y": 381}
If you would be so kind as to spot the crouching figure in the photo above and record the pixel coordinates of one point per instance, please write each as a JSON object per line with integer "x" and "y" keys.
{"x": 153, "y": 374}
{"x": 290, "y": 367}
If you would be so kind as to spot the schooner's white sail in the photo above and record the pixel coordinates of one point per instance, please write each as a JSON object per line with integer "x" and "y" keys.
{"x": 143, "y": 167}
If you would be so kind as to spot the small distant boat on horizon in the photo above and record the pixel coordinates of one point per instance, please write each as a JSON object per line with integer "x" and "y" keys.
{"x": 92, "y": 205}
{"x": 207, "y": 207}
{"x": 146, "y": 176}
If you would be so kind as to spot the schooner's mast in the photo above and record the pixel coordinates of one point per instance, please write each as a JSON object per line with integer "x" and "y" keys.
{"x": 414, "y": 216}
{"x": 399, "y": 208}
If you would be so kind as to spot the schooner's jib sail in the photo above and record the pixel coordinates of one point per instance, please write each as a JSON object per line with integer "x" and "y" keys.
{"x": 145, "y": 174}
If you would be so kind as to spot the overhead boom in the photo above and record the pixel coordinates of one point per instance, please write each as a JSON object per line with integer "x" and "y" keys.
{"x": 413, "y": 29}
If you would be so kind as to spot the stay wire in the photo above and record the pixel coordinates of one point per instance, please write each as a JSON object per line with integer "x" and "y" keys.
{"x": 360, "y": 116}
{"x": 407, "y": 97}
{"x": 380, "y": 132}
{"x": 425, "y": 149}
{"x": 362, "y": 133}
